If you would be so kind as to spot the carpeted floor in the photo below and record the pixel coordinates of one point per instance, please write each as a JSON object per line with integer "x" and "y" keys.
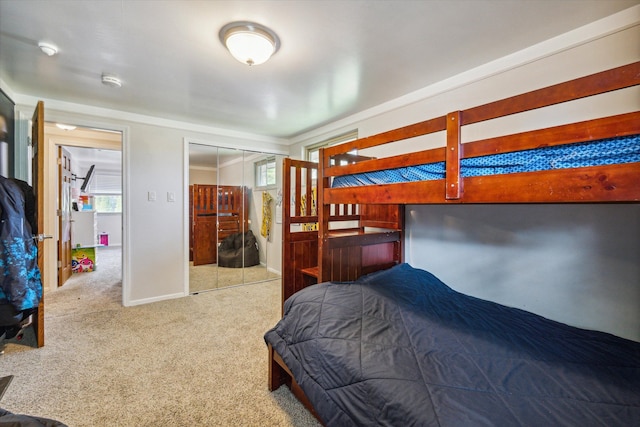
{"x": 209, "y": 276}
{"x": 194, "y": 361}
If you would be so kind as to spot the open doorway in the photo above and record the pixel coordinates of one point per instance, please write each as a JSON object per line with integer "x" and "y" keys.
{"x": 88, "y": 205}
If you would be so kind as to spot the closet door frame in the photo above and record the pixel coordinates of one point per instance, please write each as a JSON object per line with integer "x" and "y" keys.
{"x": 187, "y": 142}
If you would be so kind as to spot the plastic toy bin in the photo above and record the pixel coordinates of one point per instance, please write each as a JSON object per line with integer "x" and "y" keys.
{"x": 83, "y": 259}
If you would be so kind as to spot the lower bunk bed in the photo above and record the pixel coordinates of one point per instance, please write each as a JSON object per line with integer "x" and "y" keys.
{"x": 399, "y": 347}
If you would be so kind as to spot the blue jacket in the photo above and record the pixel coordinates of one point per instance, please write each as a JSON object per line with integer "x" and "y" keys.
{"x": 20, "y": 281}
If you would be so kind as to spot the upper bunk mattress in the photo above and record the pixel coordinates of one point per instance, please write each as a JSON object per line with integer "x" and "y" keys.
{"x": 399, "y": 347}
{"x": 608, "y": 151}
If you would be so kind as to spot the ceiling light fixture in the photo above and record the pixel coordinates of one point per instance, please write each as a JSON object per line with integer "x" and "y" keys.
{"x": 65, "y": 127}
{"x": 48, "y": 48}
{"x": 111, "y": 80}
{"x": 248, "y": 42}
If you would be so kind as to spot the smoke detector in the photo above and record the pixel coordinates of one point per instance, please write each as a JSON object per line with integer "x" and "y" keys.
{"x": 111, "y": 80}
{"x": 48, "y": 48}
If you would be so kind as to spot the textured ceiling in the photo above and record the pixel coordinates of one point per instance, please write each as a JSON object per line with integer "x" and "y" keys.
{"x": 337, "y": 57}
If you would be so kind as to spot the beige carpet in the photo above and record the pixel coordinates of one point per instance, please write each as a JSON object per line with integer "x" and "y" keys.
{"x": 194, "y": 361}
{"x": 209, "y": 276}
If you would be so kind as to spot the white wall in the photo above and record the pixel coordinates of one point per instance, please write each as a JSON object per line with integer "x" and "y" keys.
{"x": 111, "y": 223}
{"x": 154, "y": 249}
{"x": 576, "y": 264}
{"x": 202, "y": 176}
{"x": 157, "y": 229}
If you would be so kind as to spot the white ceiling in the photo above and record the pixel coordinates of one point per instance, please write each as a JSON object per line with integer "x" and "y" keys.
{"x": 337, "y": 58}
{"x": 107, "y": 160}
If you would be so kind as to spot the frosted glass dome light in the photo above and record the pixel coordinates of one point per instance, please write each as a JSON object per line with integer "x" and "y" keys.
{"x": 249, "y": 43}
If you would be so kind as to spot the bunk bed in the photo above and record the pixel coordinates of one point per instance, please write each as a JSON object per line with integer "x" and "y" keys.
{"x": 215, "y": 212}
{"x": 345, "y": 222}
{"x": 366, "y": 339}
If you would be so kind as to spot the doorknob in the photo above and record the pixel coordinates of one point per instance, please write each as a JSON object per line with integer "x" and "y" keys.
{"x": 42, "y": 237}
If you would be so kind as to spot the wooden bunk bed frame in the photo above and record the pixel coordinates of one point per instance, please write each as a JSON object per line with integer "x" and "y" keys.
{"x": 341, "y": 257}
{"x": 215, "y": 212}
{"x": 344, "y": 223}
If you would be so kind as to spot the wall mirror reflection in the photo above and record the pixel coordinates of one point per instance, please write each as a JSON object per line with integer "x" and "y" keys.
{"x": 234, "y": 234}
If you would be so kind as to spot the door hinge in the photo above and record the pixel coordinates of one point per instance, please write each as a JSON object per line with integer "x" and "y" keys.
{"x": 59, "y": 264}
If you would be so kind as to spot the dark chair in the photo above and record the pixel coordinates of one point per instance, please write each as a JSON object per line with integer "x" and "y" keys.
{"x": 231, "y": 250}
{"x": 13, "y": 322}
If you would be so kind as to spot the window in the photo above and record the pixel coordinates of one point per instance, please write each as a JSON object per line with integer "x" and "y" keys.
{"x": 107, "y": 193}
{"x": 313, "y": 151}
{"x": 108, "y": 203}
{"x": 266, "y": 172}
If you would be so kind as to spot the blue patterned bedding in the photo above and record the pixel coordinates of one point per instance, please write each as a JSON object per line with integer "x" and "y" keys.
{"x": 400, "y": 348}
{"x": 593, "y": 153}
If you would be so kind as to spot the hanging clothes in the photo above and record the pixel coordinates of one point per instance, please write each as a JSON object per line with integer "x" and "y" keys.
{"x": 20, "y": 281}
{"x": 265, "y": 230}
{"x": 313, "y": 210}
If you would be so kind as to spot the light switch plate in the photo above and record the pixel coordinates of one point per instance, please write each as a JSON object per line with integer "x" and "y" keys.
{"x": 151, "y": 196}
{"x": 171, "y": 196}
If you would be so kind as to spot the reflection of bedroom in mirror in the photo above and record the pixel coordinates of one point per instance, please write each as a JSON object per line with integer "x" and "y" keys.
{"x": 233, "y": 236}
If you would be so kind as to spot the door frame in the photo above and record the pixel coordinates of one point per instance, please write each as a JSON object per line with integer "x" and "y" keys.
{"x": 185, "y": 150}
{"x": 51, "y": 219}
{"x": 38, "y": 182}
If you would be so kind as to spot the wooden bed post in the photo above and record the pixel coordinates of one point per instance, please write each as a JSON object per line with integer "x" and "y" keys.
{"x": 453, "y": 155}
{"x": 401, "y": 224}
{"x": 300, "y": 245}
{"x": 324, "y": 211}
{"x": 286, "y": 238}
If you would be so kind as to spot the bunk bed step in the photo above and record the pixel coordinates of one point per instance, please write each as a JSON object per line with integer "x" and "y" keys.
{"x": 311, "y": 272}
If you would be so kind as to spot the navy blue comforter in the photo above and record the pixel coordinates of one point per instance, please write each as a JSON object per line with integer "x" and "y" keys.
{"x": 400, "y": 348}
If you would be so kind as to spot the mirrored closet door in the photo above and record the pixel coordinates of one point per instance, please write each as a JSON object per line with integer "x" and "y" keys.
{"x": 234, "y": 232}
